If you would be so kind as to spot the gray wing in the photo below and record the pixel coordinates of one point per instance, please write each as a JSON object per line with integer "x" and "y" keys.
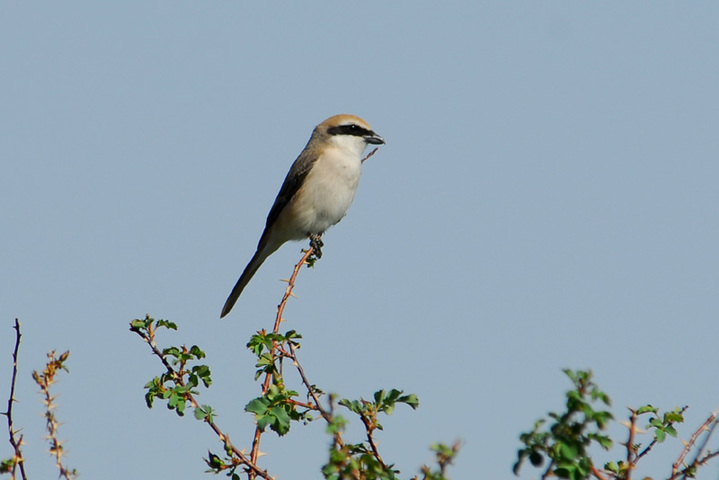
{"x": 293, "y": 181}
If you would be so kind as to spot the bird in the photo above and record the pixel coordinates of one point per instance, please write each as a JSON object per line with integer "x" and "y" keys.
{"x": 316, "y": 193}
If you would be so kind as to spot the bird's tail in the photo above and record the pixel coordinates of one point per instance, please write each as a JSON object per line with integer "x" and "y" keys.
{"x": 258, "y": 259}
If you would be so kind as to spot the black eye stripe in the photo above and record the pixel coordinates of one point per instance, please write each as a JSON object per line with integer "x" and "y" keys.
{"x": 350, "y": 129}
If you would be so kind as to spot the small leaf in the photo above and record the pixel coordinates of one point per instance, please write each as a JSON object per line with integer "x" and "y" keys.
{"x": 568, "y": 451}
{"x": 195, "y": 350}
{"x": 604, "y": 441}
{"x": 412, "y": 400}
{"x": 646, "y": 409}
{"x": 172, "y": 351}
{"x": 167, "y": 324}
{"x": 139, "y": 325}
{"x": 674, "y": 416}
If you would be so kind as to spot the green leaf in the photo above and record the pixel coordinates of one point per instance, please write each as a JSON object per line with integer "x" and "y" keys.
{"x": 195, "y": 350}
{"x": 353, "y": 405}
{"x": 199, "y": 414}
{"x": 567, "y": 451}
{"x": 646, "y": 409}
{"x": 292, "y": 334}
{"x": 412, "y": 400}
{"x": 140, "y": 325}
{"x": 7, "y": 466}
{"x": 172, "y": 352}
{"x": 282, "y": 423}
{"x": 263, "y": 421}
{"x": 258, "y": 406}
{"x": 258, "y": 343}
{"x": 203, "y": 372}
{"x": 602, "y": 419}
{"x": 564, "y": 472}
{"x": 205, "y": 412}
{"x": 167, "y": 324}
{"x": 674, "y": 416}
{"x": 604, "y": 441}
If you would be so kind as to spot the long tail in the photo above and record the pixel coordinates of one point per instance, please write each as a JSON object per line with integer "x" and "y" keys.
{"x": 263, "y": 251}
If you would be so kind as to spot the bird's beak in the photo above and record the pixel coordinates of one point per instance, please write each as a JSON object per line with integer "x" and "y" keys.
{"x": 374, "y": 139}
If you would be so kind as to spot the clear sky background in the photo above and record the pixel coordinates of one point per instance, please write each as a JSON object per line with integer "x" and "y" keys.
{"x": 547, "y": 198}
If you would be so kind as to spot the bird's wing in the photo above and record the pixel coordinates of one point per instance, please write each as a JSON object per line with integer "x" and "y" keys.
{"x": 293, "y": 181}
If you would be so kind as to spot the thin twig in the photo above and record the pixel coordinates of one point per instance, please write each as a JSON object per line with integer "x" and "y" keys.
{"x": 369, "y": 428}
{"x": 548, "y": 472}
{"x": 646, "y": 450}
{"x": 18, "y": 459}
{"x": 327, "y": 416}
{"x": 597, "y": 473}
{"x": 307, "y": 384}
{"x": 370, "y": 154}
{"x": 707, "y": 457}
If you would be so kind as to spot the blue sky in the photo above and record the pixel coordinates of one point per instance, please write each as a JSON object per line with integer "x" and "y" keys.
{"x": 547, "y": 198}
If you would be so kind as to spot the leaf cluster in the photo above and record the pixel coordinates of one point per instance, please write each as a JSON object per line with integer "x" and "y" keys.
{"x": 182, "y": 376}
{"x": 266, "y": 346}
{"x": 276, "y": 409}
{"x": 444, "y": 456}
{"x": 566, "y": 437}
{"x": 362, "y": 459}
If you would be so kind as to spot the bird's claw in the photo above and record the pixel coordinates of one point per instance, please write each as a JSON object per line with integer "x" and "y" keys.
{"x": 316, "y": 244}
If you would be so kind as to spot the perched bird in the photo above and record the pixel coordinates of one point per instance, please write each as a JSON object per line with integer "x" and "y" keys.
{"x": 317, "y": 192}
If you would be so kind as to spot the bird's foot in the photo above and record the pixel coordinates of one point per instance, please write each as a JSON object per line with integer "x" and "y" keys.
{"x": 316, "y": 244}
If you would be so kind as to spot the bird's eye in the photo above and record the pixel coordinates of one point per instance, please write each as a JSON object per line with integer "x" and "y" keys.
{"x": 347, "y": 129}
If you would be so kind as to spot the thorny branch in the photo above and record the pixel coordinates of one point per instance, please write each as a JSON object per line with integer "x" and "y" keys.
{"x": 15, "y": 442}
{"x": 45, "y": 380}
{"x": 631, "y": 451}
{"x": 370, "y": 426}
{"x": 708, "y": 426}
{"x": 278, "y": 319}
{"x": 224, "y": 438}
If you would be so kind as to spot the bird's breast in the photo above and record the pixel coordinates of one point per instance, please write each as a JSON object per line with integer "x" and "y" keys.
{"x": 327, "y": 192}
